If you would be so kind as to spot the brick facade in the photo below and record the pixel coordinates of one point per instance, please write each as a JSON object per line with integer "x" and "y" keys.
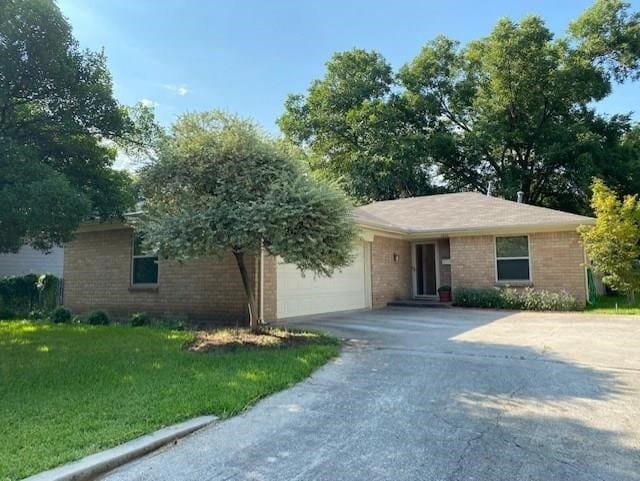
{"x": 390, "y": 280}
{"x": 97, "y": 268}
{"x": 556, "y": 258}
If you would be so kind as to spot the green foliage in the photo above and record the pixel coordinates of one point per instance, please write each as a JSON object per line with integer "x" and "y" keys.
{"x": 610, "y": 35}
{"x": 219, "y": 185}
{"x": 59, "y": 127}
{"x": 508, "y": 298}
{"x": 30, "y": 292}
{"x": 95, "y": 388}
{"x": 139, "y": 319}
{"x": 359, "y": 131}
{"x": 97, "y": 318}
{"x": 6, "y": 313}
{"x": 444, "y": 289}
{"x": 514, "y": 108}
{"x": 61, "y": 315}
{"x": 613, "y": 243}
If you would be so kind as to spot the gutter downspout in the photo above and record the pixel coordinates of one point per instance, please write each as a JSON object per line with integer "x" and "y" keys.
{"x": 261, "y": 308}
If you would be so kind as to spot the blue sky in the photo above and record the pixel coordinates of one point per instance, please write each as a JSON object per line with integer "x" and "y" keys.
{"x": 245, "y": 56}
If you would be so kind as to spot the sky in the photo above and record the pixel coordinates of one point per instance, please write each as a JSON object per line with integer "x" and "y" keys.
{"x": 246, "y": 56}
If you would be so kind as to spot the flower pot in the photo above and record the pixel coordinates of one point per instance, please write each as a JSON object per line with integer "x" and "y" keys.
{"x": 445, "y": 296}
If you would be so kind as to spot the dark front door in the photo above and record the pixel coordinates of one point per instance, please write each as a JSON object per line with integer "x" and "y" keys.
{"x": 426, "y": 270}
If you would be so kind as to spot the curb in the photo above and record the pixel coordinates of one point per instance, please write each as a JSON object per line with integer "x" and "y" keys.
{"x": 99, "y": 463}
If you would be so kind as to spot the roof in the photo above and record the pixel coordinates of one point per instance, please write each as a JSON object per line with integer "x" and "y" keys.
{"x": 464, "y": 212}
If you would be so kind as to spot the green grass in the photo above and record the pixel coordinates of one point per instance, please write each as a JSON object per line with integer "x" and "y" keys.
{"x": 71, "y": 390}
{"x": 613, "y": 305}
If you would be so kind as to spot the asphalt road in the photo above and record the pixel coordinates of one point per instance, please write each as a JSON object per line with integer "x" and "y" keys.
{"x": 438, "y": 394}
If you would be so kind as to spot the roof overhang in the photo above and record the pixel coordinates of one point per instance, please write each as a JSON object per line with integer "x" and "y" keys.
{"x": 388, "y": 231}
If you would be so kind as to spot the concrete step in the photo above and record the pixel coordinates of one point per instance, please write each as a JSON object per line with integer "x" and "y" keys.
{"x": 419, "y": 303}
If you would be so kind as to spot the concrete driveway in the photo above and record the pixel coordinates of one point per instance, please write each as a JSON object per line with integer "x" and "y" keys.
{"x": 438, "y": 394}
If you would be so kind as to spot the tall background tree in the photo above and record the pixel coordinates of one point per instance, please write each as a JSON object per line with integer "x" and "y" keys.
{"x": 219, "y": 185}
{"x": 59, "y": 129}
{"x": 514, "y": 108}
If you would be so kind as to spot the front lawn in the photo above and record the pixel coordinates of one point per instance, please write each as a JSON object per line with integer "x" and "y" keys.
{"x": 613, "y": 305}
{"x": 71, "y": 390}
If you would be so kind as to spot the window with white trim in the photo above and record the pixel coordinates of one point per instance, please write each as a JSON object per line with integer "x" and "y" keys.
{"x": 144, "y": 265}
{"x": 512, "y": 259}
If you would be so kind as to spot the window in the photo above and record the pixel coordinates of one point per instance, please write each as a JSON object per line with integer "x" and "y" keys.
{"x": 144, "y": 268}
{"x": 512, "y": 258}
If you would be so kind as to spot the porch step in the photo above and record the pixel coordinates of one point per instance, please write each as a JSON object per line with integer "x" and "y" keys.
{"x": 418, "y": 303}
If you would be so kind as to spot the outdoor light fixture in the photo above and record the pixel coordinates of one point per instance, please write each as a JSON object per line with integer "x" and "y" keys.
{"x": 396, "y": 257}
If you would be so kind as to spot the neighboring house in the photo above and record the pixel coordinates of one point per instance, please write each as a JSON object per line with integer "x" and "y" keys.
{"x": 407, "y": 248}
{"x": 30, "y": 261}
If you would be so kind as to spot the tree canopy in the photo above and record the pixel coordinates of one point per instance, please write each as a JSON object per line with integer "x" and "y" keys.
{"x": 59, "y": 127}
{"x": 514, "y": 108}
{"x": 219, "y": 185}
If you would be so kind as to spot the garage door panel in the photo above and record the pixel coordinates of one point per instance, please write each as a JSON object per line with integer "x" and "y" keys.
{"x": 300, "y": 295}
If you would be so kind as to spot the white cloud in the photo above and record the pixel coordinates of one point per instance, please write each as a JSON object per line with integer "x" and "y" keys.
{"x": 181, "y": 90}
{"x": 148, "y": 103}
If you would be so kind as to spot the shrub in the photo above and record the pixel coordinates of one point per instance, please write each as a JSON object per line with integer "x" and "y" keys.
{"x": 6, "y": 313}
{"x": 37, "y": 314}
{"x": 476, "y": 297}
{"x": 509, "y": 298}
{"x": 97, "y": 318}
{"x": 61, "y": 315}
{"x": 139, "y": 319}
{"x": 31, "y": 292}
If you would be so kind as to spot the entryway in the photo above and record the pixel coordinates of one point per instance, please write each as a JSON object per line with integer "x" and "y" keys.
{"x": 425, "y": 269}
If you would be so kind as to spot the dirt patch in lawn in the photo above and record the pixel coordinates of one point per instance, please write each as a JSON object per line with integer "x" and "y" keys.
{"x": 229, "y": 339}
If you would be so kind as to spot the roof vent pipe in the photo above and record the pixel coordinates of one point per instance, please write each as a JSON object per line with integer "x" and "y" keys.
{"x": 520, "y": 197}
{"x": 489, "y": 188}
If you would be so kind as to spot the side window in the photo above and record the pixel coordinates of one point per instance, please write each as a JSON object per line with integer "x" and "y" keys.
{"x": 512, "y": 258}
{"x": 144, "y": 265}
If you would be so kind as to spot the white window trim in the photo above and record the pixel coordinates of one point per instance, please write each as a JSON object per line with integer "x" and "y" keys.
{"x": 519, "y": 258}
{"x": 141, "y": 256}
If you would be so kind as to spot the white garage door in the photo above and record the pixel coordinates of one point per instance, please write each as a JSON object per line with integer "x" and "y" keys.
{"x": 345, "y": 290}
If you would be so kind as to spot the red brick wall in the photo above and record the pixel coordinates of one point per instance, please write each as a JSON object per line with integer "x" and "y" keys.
{"x": 390, "y": 280}
{"x": 97, "y": 268}
{"x": 556, "y": 258}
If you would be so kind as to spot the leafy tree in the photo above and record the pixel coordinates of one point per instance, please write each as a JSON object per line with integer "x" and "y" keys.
{"x": 514, "y": 108}
{"x": 59, "y": 129}
{"x": 613, "y": 243}
{"x": 220, "y": 185}
{"x": 359, "y": 130}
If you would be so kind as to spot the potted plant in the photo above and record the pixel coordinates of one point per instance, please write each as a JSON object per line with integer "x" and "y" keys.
{"x": 445, "y": 293}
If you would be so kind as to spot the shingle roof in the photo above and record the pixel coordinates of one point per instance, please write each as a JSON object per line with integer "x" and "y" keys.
{"x": 465, "y": 211}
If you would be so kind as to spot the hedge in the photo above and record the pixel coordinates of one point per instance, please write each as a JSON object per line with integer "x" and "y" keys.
{"x": 509, "y": 298}
{"x": 23, "y": 294}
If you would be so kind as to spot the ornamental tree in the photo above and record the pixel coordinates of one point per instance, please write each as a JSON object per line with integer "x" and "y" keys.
{"x": 219, "y": 184}
{"x": 613, "y": 243}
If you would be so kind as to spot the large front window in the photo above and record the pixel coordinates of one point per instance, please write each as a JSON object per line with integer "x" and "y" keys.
{"x": 144, "y": 264}
{"x": 512, "y": 259}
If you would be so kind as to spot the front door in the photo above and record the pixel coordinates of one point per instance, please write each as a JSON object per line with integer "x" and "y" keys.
{"x": 425, "y": 270}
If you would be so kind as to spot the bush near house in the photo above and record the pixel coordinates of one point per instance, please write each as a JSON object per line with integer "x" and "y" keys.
{"x": 509, "y": 298}
{"x": 21, "y": 295}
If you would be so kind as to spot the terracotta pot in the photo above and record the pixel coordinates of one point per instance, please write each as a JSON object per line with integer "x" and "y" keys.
{"x": 445, "y": 296}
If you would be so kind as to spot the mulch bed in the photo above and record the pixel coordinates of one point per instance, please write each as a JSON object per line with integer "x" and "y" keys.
{"x": 230, "y": 338}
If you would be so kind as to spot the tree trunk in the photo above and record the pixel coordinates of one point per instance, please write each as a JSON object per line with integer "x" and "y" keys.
{"x": 248, "y": 290}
